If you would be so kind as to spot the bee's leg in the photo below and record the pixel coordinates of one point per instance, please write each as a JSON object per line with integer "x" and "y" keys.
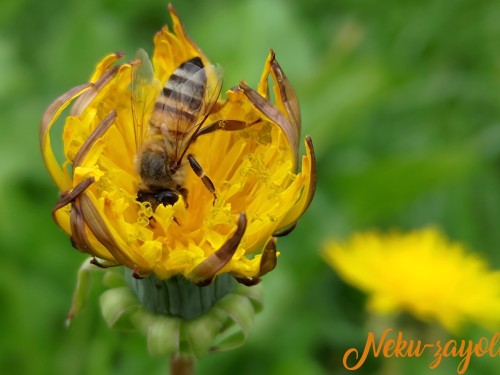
{"x": 201, "y": 174}
{"x": 226, "y": 125}
{"x": 147, "y": 196}
{"x": 184, "y": 192}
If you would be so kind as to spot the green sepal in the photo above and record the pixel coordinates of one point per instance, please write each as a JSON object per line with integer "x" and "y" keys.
{"x": 241, "y": 307}
{"x": 82, "y": 290}
{"x": 163, "y": 335}
{"x": 241, "y": 313}
{"x": 226, "y": 325}
{"x": 201, "y": 332}
{"x": 114, "y": 278}
{"x": 254, "y": 294}
{"x": 117, "y": 306}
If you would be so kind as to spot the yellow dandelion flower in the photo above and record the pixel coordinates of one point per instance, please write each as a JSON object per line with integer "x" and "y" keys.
{"x": 246, "y": 146}
{"x": 422, "y": 273}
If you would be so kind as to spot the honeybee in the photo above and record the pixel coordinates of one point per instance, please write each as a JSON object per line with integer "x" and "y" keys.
{"x": 168, "y": 118}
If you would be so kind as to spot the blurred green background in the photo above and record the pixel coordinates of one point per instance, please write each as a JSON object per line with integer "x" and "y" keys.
{"x": 401, "y": 99}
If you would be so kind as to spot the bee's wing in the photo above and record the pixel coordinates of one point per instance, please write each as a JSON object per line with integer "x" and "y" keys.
{"x": 145, "y": 88}
{"x": 192, "y": 104}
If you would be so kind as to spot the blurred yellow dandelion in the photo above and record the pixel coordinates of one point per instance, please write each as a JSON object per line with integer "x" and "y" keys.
{"x": 252, "y": 160}
{"x": 422, "y": 273}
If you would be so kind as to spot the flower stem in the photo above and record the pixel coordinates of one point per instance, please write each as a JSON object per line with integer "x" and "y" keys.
{"x": 182, "y": 364}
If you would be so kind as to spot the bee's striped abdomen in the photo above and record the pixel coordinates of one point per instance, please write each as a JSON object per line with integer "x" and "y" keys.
{"x": 182, "y": 95}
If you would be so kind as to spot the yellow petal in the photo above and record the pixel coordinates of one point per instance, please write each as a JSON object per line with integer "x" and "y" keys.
{"x": 105, "y": 64}
{"x": 60, "y": 176}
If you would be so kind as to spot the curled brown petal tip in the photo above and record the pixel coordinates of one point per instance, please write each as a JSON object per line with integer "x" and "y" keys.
{"x": 101, "y": 232}
{"x": 56, "y": 105}
{"x": 204, "y": 273}
{"x": 171, "y": 9}
{"x": 79, "y": 238}
{"x": 248, "y": 281}
{"x": 136, "y": 273}
{"x": 288, "y": 97}
{"x": 275, "y": 115}
{"x": 98, "y": 132}
{"x": 268, "y": 260}
{"x": 70, "y": 196}
{"x": 84, "y": 100}
{"x": 312, "y": 180}
{"x": 285, "y": 231}
{"x": 307, "y": 193}
{"x": 102, "y": 263}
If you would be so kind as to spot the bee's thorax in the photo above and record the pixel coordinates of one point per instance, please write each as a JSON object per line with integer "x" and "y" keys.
{"x": 157, "y": 170}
